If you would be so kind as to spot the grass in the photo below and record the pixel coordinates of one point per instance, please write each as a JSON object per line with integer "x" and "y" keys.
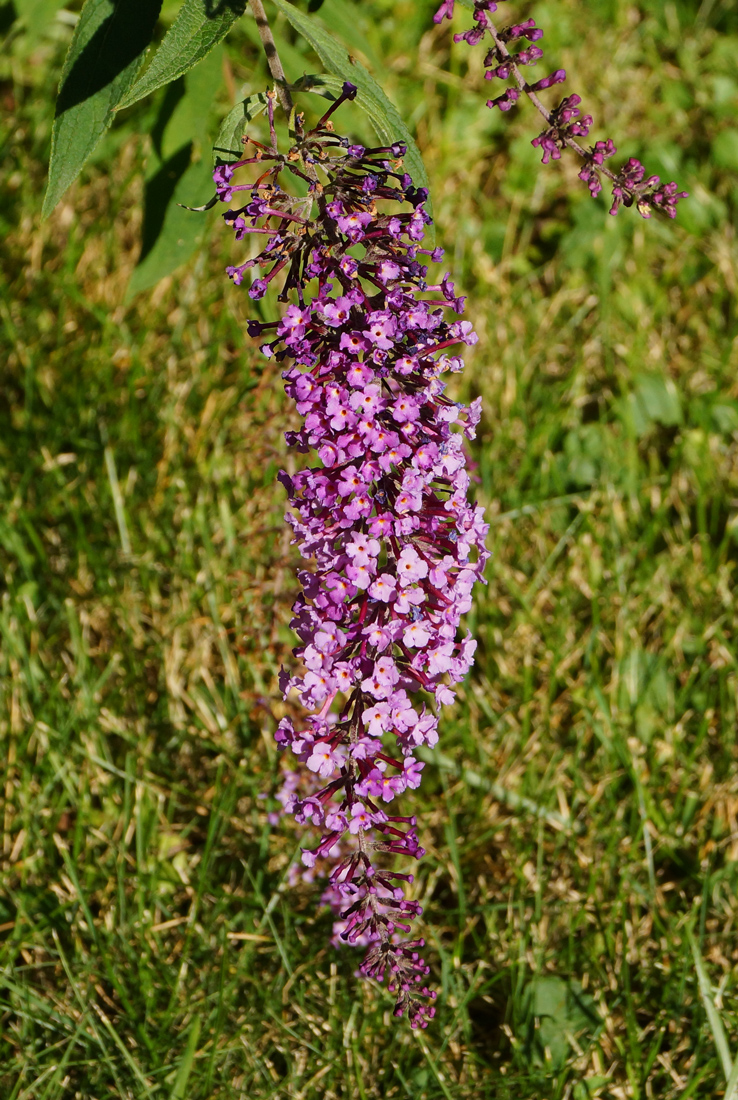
{"x": 582, "y": 821}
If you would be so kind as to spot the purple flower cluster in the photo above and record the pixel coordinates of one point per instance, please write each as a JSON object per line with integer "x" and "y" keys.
{"x": 511, "y": 51}
{"x": 395, "y": 544}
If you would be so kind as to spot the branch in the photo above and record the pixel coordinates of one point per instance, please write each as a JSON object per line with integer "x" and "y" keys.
{"x": 273, "y": 59}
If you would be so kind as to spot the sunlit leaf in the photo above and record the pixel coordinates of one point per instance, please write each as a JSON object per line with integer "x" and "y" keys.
{"x": 105, "y": 54}
{"x": 199, "y": 27}
{"x": 234, "y": 125}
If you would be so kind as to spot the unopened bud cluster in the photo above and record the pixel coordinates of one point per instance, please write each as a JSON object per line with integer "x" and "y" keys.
{"x": 512, "y": 49}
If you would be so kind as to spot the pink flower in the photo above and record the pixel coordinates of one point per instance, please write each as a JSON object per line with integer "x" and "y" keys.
{"x": 360, "y": 572}
{"x": 410, "y": 566}
{"x": 404, "y": 409}
{"x": 351, "y": 482}
{"x": 366, "y": 402}
{"x": 417, "y": 634}
{"x": 337, "y": 312}
{"x": 383, "y": 588}
{"x": 362, "y": 549}
{"x": 353, "y": 225}
{"x": 360, "y": 818}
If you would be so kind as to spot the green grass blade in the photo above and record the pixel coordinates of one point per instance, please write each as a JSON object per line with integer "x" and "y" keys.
{"x": 713, "y": 1016}
{"x": 731, "y": 1089}
{"x": 185, "y": 1066}
{"x": 120, "y": 512}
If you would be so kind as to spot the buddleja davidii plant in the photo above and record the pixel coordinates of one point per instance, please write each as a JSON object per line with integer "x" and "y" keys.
{"x": 395, "y": 545}
{"x": 384, "y": 519}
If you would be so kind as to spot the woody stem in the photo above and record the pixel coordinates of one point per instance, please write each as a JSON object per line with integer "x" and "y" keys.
{"x": 272, "y": 56}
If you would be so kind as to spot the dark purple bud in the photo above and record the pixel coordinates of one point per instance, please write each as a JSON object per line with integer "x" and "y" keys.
{"x": 528, "y": 30}
{"x": 557, "y": 77}
{"x": 502, "y": 72}
{"x": 505, "y": 101}
{"x": 529, "y": 56}
{"x": 472, "y": 37}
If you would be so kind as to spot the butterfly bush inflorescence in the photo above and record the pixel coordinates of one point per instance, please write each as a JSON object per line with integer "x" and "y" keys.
{"x": 385, "y": 518}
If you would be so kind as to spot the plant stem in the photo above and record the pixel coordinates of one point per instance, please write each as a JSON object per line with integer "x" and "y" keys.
{"x": 273, "y": 59}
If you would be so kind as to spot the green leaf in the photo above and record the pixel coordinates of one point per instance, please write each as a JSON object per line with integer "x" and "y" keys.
{"x": 198, "y": 28}
{"x": 383, "y": 115}
{"x": 105, "y": 54}
{"x": 234, "y": 125}
{"x": 171, "y": 234}
{"x": 181, "y": 231}
{"x": 564, "y": 1013}
{"x": 655, "y": 400}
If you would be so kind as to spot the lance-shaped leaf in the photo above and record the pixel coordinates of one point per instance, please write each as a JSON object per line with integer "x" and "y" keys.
{"x": 329, "y": 87}
{"x": 171, "y": 233}
{"x": 383, "y": 115}
{"x": 181, "y": 231}
{"x": 228, "y": 144}
{"x": 105, "y": 54}
{"x": 199, "y": 27}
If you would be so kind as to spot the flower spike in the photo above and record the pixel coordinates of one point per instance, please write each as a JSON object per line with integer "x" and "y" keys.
{"x": 383, "y": 518}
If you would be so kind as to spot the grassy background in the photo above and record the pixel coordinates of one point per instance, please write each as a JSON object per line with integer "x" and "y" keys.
{"x": 584, "y": 814}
